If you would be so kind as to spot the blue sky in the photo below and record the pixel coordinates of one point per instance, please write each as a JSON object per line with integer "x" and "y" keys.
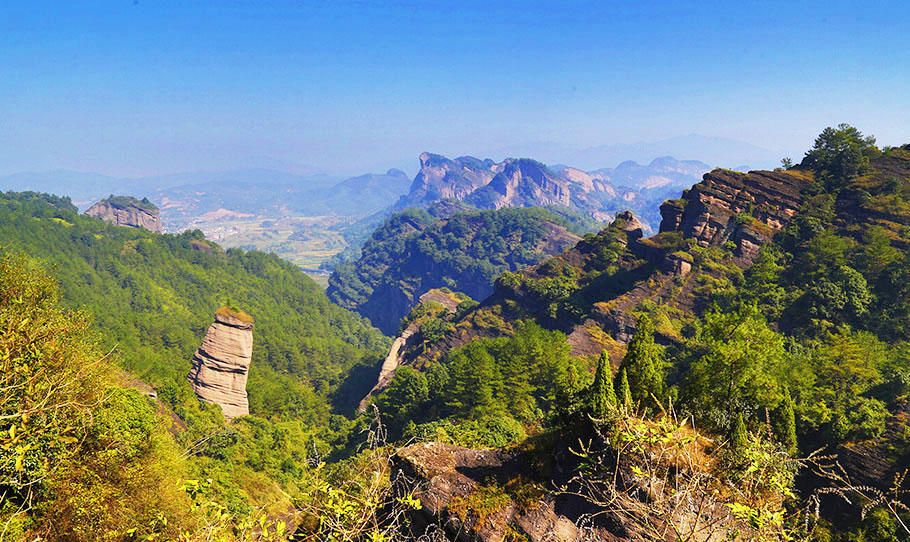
{"x": 151, "y": 87}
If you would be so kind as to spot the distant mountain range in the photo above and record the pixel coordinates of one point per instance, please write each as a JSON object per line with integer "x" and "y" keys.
{"x": 485, "y": 184}
{"x": 717, "y": 151}
{"x": 524, "y": 182}
{"x": 185, "y": 196}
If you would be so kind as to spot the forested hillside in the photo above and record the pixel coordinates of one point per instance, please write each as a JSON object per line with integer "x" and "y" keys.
{"x": 414, "y": 251}
{"x": 153, "y": 295}
{"x": 745, "y": 369}
{"x": 771, "y": 312}
{"x": 150, "y": 298}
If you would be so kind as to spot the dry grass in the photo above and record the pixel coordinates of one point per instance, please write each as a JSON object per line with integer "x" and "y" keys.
{"x": 233, "y": 312}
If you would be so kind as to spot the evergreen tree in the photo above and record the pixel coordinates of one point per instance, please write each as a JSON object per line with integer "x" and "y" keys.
{"x": 840, "y": 154}
{"x": 623, "y": 390}
{"x": 785, "y": 424}
{"x": 644, "y": 364}
{"x": 739, "y": 367}
{"x": 602, "y": 395}
{"x": 739, "y": 439}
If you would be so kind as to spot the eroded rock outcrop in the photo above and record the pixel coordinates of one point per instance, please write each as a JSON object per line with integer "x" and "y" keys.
{"x": 222, "y": 362}
{"x": 727, "y": 202}
{"x": 127, "y": 211}
{"x": 498, "y": 496}
{"x": 448, "y": 476}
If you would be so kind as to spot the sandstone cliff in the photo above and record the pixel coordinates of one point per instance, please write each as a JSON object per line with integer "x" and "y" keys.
{"x": 222, "y": 362}
{"x": 127, "y": 211}
{"x": 444, "y": 301}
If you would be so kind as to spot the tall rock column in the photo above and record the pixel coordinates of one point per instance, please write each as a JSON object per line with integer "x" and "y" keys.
{"x": 222, "y": 362}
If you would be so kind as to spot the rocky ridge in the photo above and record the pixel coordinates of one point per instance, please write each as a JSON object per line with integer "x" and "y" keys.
{"x": 447, "y": 301}
{"x": 222, "y": 363}
{"x": 127, "y": 211}
{"x": 713, "y": 230}
{"x": 523, "y": 182}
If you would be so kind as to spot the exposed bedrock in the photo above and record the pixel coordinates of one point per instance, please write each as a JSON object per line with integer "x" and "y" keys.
{"x": 222, "y": 363}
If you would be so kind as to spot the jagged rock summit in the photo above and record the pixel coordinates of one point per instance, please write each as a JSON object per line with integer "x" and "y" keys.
{"x": 127, "y": 211}
{"x": 523, "y": 182}
{"x": 222, "y": 363}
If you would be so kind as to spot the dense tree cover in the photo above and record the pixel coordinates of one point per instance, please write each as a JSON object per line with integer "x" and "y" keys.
{"x": 558, "y": 290}
{"x": 644, "y": 365}
{"x": 527, "y": 379}
{"x": 82, "y": 458}
{"x": 602, "y": 395}
{"x": 86, "y": 455}
{"x": 806, "y": 348}
{"x": 413, "y": 252}
{"x": 152, "y": 296}
{"x": 840, "y": 154}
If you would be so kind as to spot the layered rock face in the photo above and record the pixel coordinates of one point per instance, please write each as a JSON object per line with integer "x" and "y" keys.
{"x": 441, "y": 178}
{"x": 222, "y": 363}
{"x": 708, "y": 212}
{"x": 127, "y": 211}
{"x": 745, "y": 209}
{"x": 524, "y": 183}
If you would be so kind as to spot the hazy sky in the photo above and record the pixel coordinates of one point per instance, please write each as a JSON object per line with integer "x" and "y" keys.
{"x": 148, "y": 87}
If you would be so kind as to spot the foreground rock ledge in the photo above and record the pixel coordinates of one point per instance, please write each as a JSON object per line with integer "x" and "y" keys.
{"x": 222, "y": 363}
{"x": 447, "y": 476}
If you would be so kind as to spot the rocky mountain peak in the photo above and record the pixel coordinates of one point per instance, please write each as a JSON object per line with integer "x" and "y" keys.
{"x": 524, "y": 182}
{"x": 127, "y": 211}
{"x": 629, "y": 223}
{"x": 745, "y": 208}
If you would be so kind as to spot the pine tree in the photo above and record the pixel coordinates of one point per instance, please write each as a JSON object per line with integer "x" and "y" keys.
{"x": 603, "y": 396}
{"x": 785, "y": 424}
{"x": 622, "y": 390}
{"x": 644, "y": 364}
{"x": 739, "y": 439}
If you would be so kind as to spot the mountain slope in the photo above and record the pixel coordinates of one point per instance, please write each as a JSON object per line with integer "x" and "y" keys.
{"x": 770, "y": 312}
{"x": 414, "y": 252}
{"x": 152, "y": 296}
{"x": 593, "y": 291}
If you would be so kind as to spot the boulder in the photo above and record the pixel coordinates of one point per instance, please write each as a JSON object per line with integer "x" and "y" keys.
{"x": 222, "y": 362}
{"x": 449, "y": 477}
